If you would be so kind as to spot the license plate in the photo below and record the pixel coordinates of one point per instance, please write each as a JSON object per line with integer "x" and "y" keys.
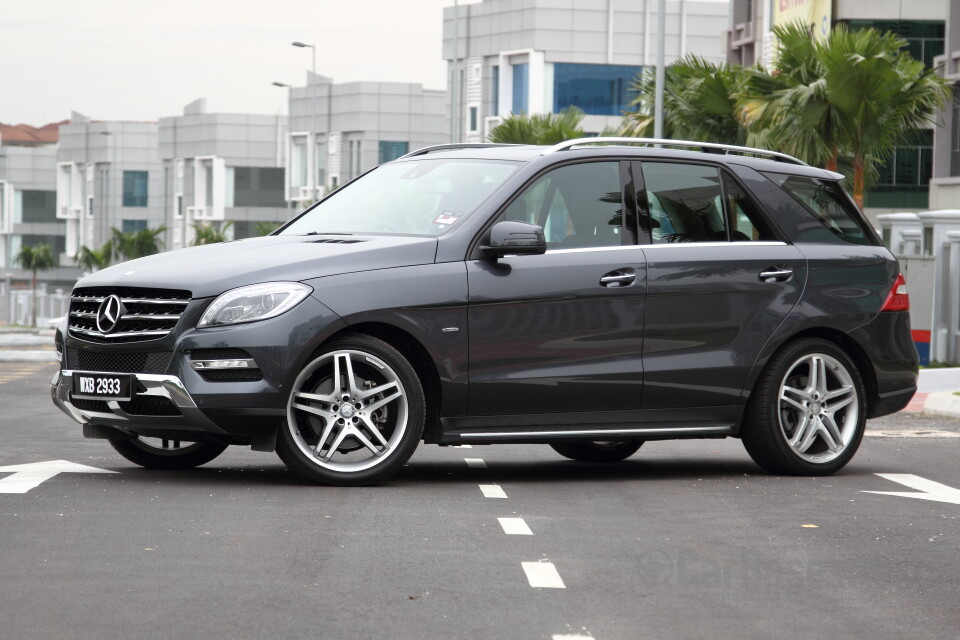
{"x": 101, "y": 386}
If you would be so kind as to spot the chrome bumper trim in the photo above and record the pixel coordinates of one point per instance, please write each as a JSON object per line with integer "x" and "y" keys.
{"x": 162, "y": 386}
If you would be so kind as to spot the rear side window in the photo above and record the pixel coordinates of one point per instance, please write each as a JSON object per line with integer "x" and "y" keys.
{"x": 829, "y": 205}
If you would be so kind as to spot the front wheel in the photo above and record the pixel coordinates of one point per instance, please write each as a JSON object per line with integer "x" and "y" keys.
{"x": 598, "y": 450}
{"x": 167, "y": 453}
{"x": 355, "y": 414}
{"x": 807, "y": 413}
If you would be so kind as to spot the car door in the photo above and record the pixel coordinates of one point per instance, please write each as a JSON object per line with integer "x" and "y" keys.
{"x": 719, "y": 283}
{"x": 563, "y": 331}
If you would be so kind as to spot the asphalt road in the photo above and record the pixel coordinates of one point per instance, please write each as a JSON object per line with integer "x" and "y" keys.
{"x": 683, "y": 540}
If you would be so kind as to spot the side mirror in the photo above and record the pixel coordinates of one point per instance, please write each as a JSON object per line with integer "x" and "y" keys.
{"x": 509, "y": 238}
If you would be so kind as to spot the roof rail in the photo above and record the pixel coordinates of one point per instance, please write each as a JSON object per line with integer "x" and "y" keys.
{"x": 456, "y": 145}
{"x": 707, "y": 147}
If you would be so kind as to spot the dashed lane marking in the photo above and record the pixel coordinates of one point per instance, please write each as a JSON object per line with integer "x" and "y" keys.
{"x": 926, "y": 433}
{"x": 567, "y": 636}
{"x": 476, "y": 463}
{"x": 463, "y": 446}
{"x": 515, "y": 527}
{"x": 492, "y": 491}
{"x": 543, "y": 575}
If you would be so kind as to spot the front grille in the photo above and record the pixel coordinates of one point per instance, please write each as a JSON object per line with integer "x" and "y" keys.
{"x": 150, "y": 313}
{"x": 150, "y": 406}
{"x": 86, "y": 360}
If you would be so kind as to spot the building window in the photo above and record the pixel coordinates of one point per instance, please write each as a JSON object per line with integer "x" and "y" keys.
{"x": 521, "y": 81}
{"x": 904, "y": 180}
{"x": 133, "y": 226}
{"x": 598, "y": 89}
{"x": 392, "y": 150}
{"x": 495, "y": 91}
{"x": 39, "y": 206}
{"x": 56, "y": 242}
{"x": 925, "y": 38}
{"x": 257, "y": 187}
{"x": 134, "y": 188}
{"x": 474, "y": 119}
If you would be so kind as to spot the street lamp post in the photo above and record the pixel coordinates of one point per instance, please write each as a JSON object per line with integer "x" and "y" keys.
{"x": 313, "y": 98}
{"x": 288, "y": 196}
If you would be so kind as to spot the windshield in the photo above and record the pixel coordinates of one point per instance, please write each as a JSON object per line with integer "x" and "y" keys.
{"x": 421, "y": 197}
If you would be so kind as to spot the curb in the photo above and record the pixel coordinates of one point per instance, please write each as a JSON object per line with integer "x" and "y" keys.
{"x": 942, "y": 403}
{"x": 24, "y": 355}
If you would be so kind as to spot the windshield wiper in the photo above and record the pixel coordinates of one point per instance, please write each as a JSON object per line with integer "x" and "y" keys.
{"x": 327, "y": 233}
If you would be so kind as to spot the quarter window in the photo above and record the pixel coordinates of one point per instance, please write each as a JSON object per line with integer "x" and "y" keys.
{"x": 577, "y": 205}
{"x": 684, "y": 202}
{"x": 829, "y": 205}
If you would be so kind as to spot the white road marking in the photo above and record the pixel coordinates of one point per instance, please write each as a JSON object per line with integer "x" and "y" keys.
{"x": 492, "y": 491}
{"x": 931, "y": 433}
{"x": 929, "y": 489}
{"x": 543, "y": 575}
{"x": 463, "y": 446}
{"x": 515, "y": 527}
{"x": 28, "y": 476}
{"x": 476, "y": 463}
{"x": 567, "y": 636}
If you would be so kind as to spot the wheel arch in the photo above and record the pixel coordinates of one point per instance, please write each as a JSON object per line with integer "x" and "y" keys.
{"x": 843, "y": 340}
{"x": 418, "y": 356}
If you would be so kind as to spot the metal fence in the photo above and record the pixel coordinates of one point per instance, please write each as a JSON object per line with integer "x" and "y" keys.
{"x": 15, "y": 304}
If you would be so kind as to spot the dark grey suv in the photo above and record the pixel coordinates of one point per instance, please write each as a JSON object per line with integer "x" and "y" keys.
{"x": 591, "y": 296}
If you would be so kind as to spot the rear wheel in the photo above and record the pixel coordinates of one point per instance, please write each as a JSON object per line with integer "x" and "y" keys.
{"x": 355, "y": 414}
{"x": 598, "y": 450}
{"x": 808, "y": 411}
{"x": 167, "y": 453}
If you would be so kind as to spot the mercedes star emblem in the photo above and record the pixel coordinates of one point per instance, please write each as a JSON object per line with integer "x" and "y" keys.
{"x": 109, "y": 313}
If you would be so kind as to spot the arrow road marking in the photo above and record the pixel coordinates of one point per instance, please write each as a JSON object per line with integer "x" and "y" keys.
{"x": 929, "y": 489}
{"x": 28, "y": 476}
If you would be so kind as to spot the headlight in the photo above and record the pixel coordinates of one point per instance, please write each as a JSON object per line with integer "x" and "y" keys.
{"x": 256, "y": 302}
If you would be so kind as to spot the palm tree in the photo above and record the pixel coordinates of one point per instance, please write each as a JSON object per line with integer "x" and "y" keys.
{"x": 205, "y": 233}
{"x": 880, "y": 93}
{"x": 95, "y": 259}
{"x": 129, "y": 245}
{"x": 39, "y": 257}
{"x": 266, "y": 228}
{"x": 789, "y": 108}
{"x": 700, "y": 102}
{"x": 539, "y": 128}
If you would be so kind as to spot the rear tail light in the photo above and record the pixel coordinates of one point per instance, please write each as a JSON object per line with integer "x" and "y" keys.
{"x": 897, "y": 299}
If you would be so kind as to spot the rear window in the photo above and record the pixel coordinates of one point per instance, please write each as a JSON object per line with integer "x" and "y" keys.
{"x": 829, "y": 205}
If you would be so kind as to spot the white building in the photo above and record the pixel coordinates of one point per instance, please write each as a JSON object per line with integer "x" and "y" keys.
{"x": 540, "y": 56}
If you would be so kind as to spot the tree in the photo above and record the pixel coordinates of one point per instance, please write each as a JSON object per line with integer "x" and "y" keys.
{"x": 880, "y": 93}
{"x": 95, "y": 259}
{"x": 539, "y": 128}
{"x": 699, "y": 102}
{"x": 205, "y": 233}
{"x": 39, "y": 257}
{"x": 129, "y": 245}
{"x": 265, "y": 228}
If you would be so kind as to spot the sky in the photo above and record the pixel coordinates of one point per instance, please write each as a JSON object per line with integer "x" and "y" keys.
{"x": 145, "y": 59}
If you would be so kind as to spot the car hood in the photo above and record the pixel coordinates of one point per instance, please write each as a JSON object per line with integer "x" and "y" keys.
{"x": 209, "y": 270}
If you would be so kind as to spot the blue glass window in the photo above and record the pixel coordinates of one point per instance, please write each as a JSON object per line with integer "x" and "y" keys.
{"x": 495, "y": 91}
{"x": 598, "y": 89}
{"x": 134, "y": 188}
{"x": 521, "y": 81}
{"x": 132, "y": 226}
{"x": 392, "y": 150}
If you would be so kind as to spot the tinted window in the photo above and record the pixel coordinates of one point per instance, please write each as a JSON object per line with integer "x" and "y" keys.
{"x": 744, "y": 218}
{"x": 134, "y": 188}
{"x": 828, "y": 203}
{"x": 684, "y": 202}
{"x": 577, "y": 205}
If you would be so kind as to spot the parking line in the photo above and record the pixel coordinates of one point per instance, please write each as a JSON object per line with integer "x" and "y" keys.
{"x": 515, "y": 527}
{"x": 492, "y": 491}
{"x": 543, "y": 575}
{"x": 476, "y": 463}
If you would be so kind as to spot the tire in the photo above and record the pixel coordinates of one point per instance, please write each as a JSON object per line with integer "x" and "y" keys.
{"x": 355, "y": 414}
{"x": 807, "y": 414}
{"x": 156, "y": 453}
{"x": 598, "y": 450}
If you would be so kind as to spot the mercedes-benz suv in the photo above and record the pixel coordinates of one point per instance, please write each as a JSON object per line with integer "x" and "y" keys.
{"x": 590, "y": 296}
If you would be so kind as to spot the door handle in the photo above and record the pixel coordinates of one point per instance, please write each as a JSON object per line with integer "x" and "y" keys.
{"x": 776, "y": 274}
{"x": 618, "y": 278}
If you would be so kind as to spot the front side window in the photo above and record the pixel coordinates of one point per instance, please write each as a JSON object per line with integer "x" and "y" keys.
{"x": 577, "y": 205}
{"x": 684, "y": 203}
{"x": 418, "y": 197}
{"x": 828, "y": 204}
{"x": 134, "y": 188}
